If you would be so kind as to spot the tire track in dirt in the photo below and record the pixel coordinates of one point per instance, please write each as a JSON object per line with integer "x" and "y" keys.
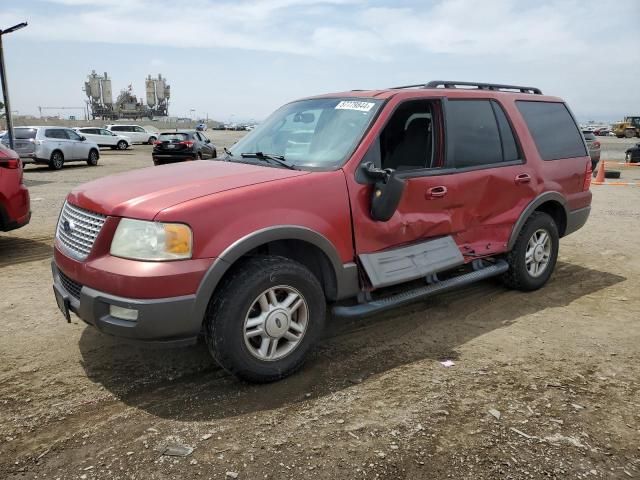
{"x": 16, "y": 250}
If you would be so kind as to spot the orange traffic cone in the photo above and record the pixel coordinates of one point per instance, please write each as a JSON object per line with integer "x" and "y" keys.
{"x": 600, "y": 176}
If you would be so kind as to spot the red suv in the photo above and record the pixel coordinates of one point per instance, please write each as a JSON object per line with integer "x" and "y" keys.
{"x": 331, "y": 199}
{"x": 14, "y": 196}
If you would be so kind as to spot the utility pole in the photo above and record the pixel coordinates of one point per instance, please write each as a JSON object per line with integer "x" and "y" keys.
{"x": 3, "y": 79}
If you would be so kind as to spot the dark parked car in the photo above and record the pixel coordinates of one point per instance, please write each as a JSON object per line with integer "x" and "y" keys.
{"x": 201, "y": 127}
{"x": 633, "y": 154}
{"x": 14, "y": 196}
{"x": 182, "y": 145}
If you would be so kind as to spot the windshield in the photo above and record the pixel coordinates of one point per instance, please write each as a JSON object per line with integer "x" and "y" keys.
{"x": 319, "y": 132}
{"x": 173, "y": 137}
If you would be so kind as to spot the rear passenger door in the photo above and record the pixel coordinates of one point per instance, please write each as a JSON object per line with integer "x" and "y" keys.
{"x": 79, "y": 148}
{"x": 493, "y": 181}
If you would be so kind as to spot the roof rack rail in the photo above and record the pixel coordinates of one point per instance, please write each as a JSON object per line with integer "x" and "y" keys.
{"x": 479, "y": 86}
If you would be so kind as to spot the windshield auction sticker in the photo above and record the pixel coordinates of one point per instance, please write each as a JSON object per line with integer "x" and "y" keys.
{"x": 353, "y": 105}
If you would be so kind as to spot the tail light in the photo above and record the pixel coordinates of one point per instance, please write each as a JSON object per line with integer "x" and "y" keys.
{"x": 157, "y": 142}
{"x": 188, "y": 143}
{"x": 10, "y": 163}
{"x": 587, "y": 177}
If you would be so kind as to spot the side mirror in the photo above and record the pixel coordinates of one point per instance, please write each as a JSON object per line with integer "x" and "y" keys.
{"x": 207, "y": 141}
{"x": 387, "y": 191}
{"x": 82, "y": 138}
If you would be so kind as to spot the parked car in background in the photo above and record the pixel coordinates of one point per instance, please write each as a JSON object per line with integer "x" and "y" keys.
{"x": 181, "y": 145}
{"x": 351, "y": 199}
{"x": 594, "y": 147}
{"x": 632, "y": 155}
{"x": 105, "y": 138}
{"x": 136, "y": 133}
{"x": 602, "y": 131}
{"x": 14, "y": 196}
{"x": 53, "y": 146}
{"x": 201, "y": 127}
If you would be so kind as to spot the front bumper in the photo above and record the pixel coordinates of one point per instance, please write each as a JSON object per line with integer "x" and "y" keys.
{"x": 166, "y": 320}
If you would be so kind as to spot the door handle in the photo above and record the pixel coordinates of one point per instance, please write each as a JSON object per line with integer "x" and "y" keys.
{"x": 523, "y": 178}
{"x": 437, "y": 192}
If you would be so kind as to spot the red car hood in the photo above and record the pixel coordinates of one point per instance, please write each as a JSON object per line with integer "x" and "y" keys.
{"x": 143, "y": 193}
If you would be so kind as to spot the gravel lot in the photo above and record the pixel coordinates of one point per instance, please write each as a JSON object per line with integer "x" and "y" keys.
{"x": 545, "y": 384}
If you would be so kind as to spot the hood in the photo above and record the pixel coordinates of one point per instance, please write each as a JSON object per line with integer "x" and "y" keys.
{"x": 144, "y": 193}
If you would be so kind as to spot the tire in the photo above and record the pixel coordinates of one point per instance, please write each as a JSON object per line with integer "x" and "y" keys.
{"x": 199, "y": 156}
{"x": 611, "y": 174}
{"x": 215, "y": 154}
{"x": 244, "y": 296}
{"x": 629, "y": 133}
{"x": 56, "y": 162}
{"x": 122, "y": 145}
{"x": 151, "y": 140}
{"x": 520, "y": 275}
{"x": 92, "y": 161}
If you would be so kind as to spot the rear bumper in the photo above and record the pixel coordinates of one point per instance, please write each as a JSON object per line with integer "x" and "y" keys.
{"x": 162, "y": 157}
{"x": 576, "y": 219}
{"x": 169, "y": 321}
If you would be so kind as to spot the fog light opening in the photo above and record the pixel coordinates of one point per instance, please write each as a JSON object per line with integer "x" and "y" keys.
{"x": 123, "y": 313}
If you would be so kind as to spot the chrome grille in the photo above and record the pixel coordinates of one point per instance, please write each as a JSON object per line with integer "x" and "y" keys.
{"x": 78, "y": 229}
{"x": 69, "y": 285}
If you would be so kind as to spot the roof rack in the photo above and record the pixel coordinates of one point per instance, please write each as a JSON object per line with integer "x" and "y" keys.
{"x": 478, "y": 86}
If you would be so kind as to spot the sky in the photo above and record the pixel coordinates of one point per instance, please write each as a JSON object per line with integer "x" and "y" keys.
{"x": 237, "y": 60}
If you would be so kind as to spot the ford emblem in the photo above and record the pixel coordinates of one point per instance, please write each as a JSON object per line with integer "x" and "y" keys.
{"x": 68, "y": 226}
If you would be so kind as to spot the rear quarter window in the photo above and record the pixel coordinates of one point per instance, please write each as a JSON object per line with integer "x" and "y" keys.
{"x": 553, "y": 129}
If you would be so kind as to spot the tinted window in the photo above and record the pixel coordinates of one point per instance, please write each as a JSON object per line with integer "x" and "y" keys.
{"x": 55, "y": 133}
{"x": 510, "y": 150}
{"x": 472, "y": 127}
{"x": 118, "y": 129}
{"x": 139, "y": 129}
{"x": 24, "y": 133}
{"x": 553, "y": 129}
{"x": 105, "y": 132}
{"x": 173, "y": 137}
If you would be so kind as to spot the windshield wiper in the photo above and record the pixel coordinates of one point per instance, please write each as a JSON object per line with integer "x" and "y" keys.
{"x": 279, "y": 159}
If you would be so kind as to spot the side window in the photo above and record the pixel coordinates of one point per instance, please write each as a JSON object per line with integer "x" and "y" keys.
{"x": 118, "y": 129}
{"x": 71, "y": 135}
{"x": 139, "y": 129}
{"x": 407, "y": 140}
{"x": 55, "y": 133}
{"x": 553, "y": 129}
{"x": 473, "y": 131}
{"x": 510, "y": 150}
{"x": 198, "y": 137}
{"x": 106, "y": 133}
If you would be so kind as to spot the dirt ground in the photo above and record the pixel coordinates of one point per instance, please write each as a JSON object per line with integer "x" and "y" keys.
{"x": 545, "y": 384}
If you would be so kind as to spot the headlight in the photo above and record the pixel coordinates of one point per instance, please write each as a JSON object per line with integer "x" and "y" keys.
{"x": 154, "y": 241}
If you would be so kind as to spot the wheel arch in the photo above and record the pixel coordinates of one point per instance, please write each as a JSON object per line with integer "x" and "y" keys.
{"x": 551, "y": 203}
{"x": 301, "y": 244}
{"x": 56, "y": 150}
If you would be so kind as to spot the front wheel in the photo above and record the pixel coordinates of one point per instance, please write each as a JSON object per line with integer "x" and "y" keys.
{"x": 534, "y": 255}
{"x": 93, "y": 158}
{"x": 265, "y": 318}
{"x": 151, "y": 140}
{"x": 122, "y": 145}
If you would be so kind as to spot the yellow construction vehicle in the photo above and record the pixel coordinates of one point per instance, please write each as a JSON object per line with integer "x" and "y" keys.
{"x": 628, "y": 128}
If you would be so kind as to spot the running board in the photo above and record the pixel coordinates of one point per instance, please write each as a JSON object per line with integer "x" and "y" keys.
{"x": 403, "y": 298}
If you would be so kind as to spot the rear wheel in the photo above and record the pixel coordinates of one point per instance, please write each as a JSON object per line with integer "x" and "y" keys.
{"x": 534, "y": 255}
{"x": 56, "y": 161}
{"x": 151, "y": 140}
{"x": 93, "y": 158}
{"x": 629, "y": 133}
{"x": 199, "y": 156}
{"x": 122, "y": 145}
{"x": 264, "y": 319}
